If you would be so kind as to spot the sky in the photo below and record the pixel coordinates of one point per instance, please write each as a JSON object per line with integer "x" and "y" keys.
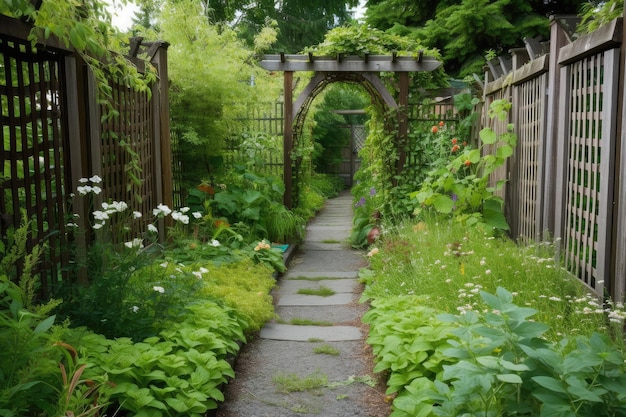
{"x": 123, "y": 19}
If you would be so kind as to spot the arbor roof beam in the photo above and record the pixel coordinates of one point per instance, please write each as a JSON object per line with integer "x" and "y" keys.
{"x": 350, "y": 63}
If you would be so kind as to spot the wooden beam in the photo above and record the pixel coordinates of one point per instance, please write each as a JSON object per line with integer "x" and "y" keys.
{"x": 351, "y": 63}
{"x": 288, "y": 139}
{"x": 403, "y": 119}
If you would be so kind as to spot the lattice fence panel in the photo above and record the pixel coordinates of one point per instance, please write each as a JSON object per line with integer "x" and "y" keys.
{"x": 127, "y": 139}
{"x": 33, "y": 151}
{"x": 589, "y": 177}
{"x": 531, "y": 109}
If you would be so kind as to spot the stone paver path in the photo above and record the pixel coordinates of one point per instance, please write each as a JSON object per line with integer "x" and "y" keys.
{"x": 285, "y": 351}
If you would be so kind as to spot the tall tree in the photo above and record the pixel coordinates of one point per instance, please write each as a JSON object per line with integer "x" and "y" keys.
{"x": 464, "y": 30}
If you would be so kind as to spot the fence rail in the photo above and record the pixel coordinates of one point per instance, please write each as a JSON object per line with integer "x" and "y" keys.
{"x": 564, "y": 178}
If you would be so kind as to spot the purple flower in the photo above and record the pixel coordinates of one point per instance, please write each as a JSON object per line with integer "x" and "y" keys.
{"x": 372, "y": 192}
{"x": 454, "y": 197}
{"x": 360, "y": 203}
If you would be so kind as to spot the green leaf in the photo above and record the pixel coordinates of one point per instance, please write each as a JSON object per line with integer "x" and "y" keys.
{"x": 510, "y": 378}
{"x": 443, "y": 204}
{"x": 504, "y": 151}
{"x": 488, "y": 136}
{"x": 550, "y": 383}
{"x": 45, "y": 325}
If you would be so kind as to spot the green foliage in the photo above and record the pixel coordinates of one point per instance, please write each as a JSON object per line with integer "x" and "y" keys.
{"x": 176, "y": 373}
{"x": 460, "y": 188}
{"x": 596, "y": 14}
{"x": 33, "y": 380}
{"x": 211, "y": 91}
{"x": 463, "y": 30}
{"x": 245, "y": 287}
{"x": 257, "y": 202}
{"x": 492, "y": 361}
{"x": 367, "y": 208}
{"x": 331, "y": 133}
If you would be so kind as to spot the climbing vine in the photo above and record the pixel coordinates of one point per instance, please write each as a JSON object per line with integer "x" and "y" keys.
{"x": 85, "y": 27}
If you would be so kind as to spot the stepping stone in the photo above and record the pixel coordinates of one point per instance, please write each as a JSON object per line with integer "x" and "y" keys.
{"x": 338, "y": 285}
{"x": 294, "y": 273}
{"x": 314, "y": 300}
{"x": 296, "y": 333}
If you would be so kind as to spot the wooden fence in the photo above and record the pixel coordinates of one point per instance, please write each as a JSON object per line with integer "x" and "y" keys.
{"x": 564, "y": 180}
{"x": 53, "y": 134}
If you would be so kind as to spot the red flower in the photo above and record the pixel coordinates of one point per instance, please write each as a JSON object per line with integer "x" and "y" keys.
{"x": 454, "y": 141}
{"x": 434, "y": 129}
{"x": 455, "y": 148}
{"x": 441, "y": 123}
{"x": 468, "y": 162}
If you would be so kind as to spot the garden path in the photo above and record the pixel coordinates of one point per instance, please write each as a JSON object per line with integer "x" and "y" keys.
{"x": 284, "y": 351}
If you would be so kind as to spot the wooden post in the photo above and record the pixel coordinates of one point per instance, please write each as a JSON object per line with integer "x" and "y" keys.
{"x": 288, "y": 139}
{"x": 618, "y": 245}
{"x": 160, "y": 101}
{"x": 75, "y": 98}
{"x": 403, "y": 120}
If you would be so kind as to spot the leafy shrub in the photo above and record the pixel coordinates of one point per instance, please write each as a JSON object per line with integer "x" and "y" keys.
{"x": 178, "y": 372}
{"x": 493, "y": 361}
{"x": 460, "y": 187}
{"x": 245, "y": 287}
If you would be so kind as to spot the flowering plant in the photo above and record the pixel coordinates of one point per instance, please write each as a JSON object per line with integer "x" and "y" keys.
{"x": 460, "y": 187}
{"x": 264, "y": 253}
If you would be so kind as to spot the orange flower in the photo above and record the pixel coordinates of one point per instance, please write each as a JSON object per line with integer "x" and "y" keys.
{"x": 434, "y": 129}
{"x": 454, "y": 141}
{"x": 441, "y": 123}
{"x": 455, "y": 148}
{"x": 468, "y": 162}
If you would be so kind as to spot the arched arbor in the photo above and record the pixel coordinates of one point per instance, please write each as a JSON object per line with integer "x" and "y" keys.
{"x": 363, "y": 70}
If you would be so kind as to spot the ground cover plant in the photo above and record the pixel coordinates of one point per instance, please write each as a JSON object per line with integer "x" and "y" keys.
{"x": 466, "y": 323}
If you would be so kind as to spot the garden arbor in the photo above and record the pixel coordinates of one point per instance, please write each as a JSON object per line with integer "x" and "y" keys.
{"x": 362, "y": 70}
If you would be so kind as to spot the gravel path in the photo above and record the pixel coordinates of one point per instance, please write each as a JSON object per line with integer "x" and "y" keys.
{"x": 279, "y": 374}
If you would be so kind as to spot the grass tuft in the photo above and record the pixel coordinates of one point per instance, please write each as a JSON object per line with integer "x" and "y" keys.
{"x": 321, "y": 291}
{"x": 291, "y": 382}
{"x": 326, "y": 349}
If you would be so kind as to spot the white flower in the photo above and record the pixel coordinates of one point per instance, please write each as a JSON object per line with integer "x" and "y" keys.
{"x": 203, "y": 270}
{"x": 184, "y": 209}
{"x": 83, "y": 189}
{"x": 161, "y": 210}
{"x": 96, "y": 190}
{"x": 135, "y": 309}
{"x": 553, "y": 298}
{"x": 197, "y": 214}
{"x": 488, "y": 271}
{"x": 137, "y": 214}
{"x": 71, "y": 225}
{"x": 100, "y": 215}
{"x": 180, "y": 217}
{"x": 159, "y": 289}
{"x": 164, "y": 264}
{"x": 215, "y": 243}
{"x": 152, "y": 228}
{"x": 135, "y": 243}
{"x": 197, "y": 274}
{"x": 98, "y": 226}
{"x": 83, "y": 180}
{"x": 95, "y": 179}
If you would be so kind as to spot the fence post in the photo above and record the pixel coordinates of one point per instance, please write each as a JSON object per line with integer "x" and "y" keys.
{"x": 618, "y": 287}
{"x": 78, "y": 156}
{"x": 549, "y": 152}
{"x": 164, "y": 189}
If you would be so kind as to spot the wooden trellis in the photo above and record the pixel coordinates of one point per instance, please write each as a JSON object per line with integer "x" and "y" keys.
{"x": 363, "y": 70}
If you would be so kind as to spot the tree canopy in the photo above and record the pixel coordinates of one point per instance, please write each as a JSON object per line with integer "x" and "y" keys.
{"x": 464, "y": 30}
